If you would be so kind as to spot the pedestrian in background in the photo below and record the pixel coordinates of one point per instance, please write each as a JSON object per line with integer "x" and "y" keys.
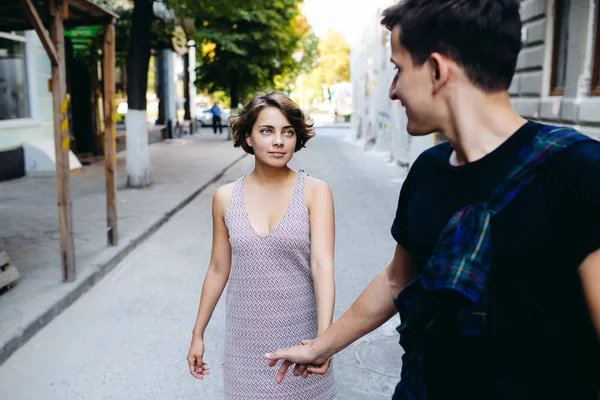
{"x": 216, "y": 119}
{"x": 496, "y": 272}
{"x": 273, "y": 243}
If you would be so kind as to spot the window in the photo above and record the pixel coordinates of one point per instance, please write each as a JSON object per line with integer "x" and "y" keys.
{"x": 596, "y": 71}
{"x": 14, "y": 102}
{"x": 560, "y": 46}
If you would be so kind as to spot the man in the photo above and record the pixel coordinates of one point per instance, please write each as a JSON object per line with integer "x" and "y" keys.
{"x": 508, "y": 208}
{"x": 216, "y": 120}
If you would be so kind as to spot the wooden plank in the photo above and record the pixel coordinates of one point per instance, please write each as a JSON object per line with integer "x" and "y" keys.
{"x": 4, "y": 258}
{"x": 35, "y": 20}
{"x": 61, "y": 145}
{"x": 110, "y": 144}
{"x": 8, "y": 275}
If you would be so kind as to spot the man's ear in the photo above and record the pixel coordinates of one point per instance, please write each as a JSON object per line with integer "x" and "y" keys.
{"x": 440, "y": 70}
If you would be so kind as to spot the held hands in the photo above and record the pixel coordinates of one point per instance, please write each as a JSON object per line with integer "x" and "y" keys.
{"x": 198, "y": 368}
{"x": 307, "y": 359}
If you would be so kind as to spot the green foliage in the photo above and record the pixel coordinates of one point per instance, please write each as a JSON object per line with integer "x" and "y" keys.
{"x": 243, "y": 46}
{"x": 161, "y": 33}
{"x": 334, "y": 58}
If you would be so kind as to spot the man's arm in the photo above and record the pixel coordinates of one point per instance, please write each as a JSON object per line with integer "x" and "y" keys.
{"x": 370, "y": 310}
{"x": 589, "y": 271}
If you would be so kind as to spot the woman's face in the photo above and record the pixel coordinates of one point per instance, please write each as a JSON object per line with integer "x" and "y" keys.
{"x": 273, "y": 138}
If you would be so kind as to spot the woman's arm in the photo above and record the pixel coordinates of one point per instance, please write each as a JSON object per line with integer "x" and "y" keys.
{"x": 214, "y": 282}
{"x": 220, "y": 261}
{"x": 322, "y": 231}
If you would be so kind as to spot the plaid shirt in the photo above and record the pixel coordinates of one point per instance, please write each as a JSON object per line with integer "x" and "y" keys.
{"x": 460, "y": 265}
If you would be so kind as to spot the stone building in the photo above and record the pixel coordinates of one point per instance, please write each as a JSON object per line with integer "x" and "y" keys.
{"x": 557, "y": 80}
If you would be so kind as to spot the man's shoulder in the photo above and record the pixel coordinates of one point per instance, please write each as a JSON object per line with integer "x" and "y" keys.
{"x": 580, "y": 156}
{"x": 576, "y": 169}
{"x": 438, "y": 154}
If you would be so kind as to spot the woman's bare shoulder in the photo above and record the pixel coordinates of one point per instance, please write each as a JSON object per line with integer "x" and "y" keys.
{"x": 317, "y": 191}
{"x": 222, "y": 197}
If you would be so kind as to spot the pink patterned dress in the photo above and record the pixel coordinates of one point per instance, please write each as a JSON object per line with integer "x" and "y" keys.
{"x": 270, "y": 303}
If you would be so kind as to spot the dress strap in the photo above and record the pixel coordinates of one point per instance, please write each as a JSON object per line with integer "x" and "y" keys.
{"x": 299, "y": 189}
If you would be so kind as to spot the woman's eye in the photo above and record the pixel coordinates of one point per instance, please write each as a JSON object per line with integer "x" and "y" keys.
{"x": 265, "y": 131}
{"x": 289, "y": 133}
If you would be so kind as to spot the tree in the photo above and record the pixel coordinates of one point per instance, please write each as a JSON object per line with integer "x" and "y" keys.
{"x": 145, "y": 32}
{"x": 245, "y": 45}
{"x": 334, "y": 58}
{"x": 306, "y": 56}
{"x": 138, "y": 60}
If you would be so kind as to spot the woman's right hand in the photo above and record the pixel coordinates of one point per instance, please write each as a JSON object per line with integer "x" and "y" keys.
{"x": 198, "y": 368}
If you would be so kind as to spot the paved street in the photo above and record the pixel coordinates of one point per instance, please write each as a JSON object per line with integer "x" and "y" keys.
{"x": 128, "y": 337}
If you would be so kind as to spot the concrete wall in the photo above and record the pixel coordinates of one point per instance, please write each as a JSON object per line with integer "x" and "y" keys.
{"x": 39, "y": 126}
{"x": 377, "y": 121}
{"x": 530, "y": 89}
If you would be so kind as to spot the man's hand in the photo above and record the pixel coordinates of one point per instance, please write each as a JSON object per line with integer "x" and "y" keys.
{"x": 304, "y": 370}
{"x": 304, "y": 356}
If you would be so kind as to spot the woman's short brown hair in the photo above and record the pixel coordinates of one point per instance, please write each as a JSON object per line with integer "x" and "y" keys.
{"x": 241, "y": 125}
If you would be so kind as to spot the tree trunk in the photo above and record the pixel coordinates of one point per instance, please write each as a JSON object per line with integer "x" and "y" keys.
{"x": 161, "y": 75}
{"x": 186, "y": 87}
{"x": 233, "y": 94}
{"x": 138, "y": 60}
{"x": 124, "y": 80}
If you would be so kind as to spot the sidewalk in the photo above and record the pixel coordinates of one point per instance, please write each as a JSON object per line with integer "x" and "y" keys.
{"x": 181, "y": 169}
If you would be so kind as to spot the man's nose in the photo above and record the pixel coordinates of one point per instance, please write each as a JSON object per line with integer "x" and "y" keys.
{"x": 392, "y": 91}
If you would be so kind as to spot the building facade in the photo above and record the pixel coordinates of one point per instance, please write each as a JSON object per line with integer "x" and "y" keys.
{"x": 557, "y": 79}
{"x": 558, "y": 69}
{"x": 377, "y": 121}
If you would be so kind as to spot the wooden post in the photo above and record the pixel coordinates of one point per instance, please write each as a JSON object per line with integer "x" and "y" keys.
{"x": 60, "y": 103}
{"x": 110, "y": 146}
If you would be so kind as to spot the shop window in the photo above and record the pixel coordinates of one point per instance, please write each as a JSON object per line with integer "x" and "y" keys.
{"x": 14, "y": 102}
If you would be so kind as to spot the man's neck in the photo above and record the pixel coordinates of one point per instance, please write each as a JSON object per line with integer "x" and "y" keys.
{"x": 479, "y": 124}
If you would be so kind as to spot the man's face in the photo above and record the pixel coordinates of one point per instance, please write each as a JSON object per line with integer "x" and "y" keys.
{"x": 413, "y": 86}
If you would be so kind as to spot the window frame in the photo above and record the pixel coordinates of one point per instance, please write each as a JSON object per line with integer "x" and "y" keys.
{"x": 556, "y": 91}
{"x": 595, "y": 82}
{"x": 32, "y": 119}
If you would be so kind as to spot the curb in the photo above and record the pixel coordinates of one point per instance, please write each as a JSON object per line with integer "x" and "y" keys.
{"x": 97, "y": 272}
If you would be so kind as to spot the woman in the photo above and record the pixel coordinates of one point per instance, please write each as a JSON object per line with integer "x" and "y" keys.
{"x": 273, "y": 242}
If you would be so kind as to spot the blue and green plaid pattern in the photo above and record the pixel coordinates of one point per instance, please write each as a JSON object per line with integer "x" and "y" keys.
{"x": 460, "y": 265}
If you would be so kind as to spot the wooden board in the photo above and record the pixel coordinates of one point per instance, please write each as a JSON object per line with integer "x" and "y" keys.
{"x": 110, "y": 144}
{"x": 8, "y": 275}
{"x": 4, "y": 258}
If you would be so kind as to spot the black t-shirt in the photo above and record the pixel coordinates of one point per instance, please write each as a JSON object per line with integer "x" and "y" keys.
{"x": 539, "y": 342}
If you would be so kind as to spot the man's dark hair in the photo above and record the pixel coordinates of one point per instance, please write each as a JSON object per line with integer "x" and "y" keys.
{"x": 483, "y": 36}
